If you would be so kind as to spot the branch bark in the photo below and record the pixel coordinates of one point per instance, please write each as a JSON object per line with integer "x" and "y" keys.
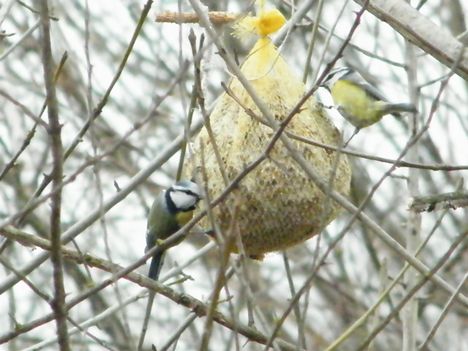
{"x": 54, "y": 130}
{"x": 421, "y": 31}
{"x": 195, "y": 305}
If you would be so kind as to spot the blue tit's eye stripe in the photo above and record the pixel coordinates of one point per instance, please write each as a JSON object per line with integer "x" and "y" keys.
{"x": 187, "y": 191}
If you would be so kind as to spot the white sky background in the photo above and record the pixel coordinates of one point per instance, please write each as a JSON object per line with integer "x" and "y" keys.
{"x": 151, "y": 68}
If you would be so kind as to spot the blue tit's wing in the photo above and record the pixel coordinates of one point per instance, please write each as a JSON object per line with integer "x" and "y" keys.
{"x": 161, "y": 224}
{"x": 372, "y": 91}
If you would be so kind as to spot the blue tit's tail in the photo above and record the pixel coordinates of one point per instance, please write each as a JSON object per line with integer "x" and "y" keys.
{"x": 394, "y": 109}
{"x": 156, "y": 265}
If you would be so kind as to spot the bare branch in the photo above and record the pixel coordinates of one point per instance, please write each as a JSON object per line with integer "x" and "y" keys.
{"x": 422, "y": 32}
{"x": 216, "y": 17}
{"x": 54, "y": 131}
{"x": 452, "y": 200}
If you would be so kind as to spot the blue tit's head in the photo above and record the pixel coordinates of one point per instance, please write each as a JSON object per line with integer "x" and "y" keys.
{"x": 335, "y": 75}
{"x": 183, "y": 196}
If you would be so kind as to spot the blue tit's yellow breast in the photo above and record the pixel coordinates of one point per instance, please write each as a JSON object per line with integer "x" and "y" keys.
{"x": 354, "y": 102}
{"x": 184, "y": 217}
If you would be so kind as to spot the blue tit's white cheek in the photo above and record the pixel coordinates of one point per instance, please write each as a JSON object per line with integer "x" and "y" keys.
{"x": 182, "y": 200}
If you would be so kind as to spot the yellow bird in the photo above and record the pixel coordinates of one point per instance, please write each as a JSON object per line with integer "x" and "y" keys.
{"x": 358, "y": 101}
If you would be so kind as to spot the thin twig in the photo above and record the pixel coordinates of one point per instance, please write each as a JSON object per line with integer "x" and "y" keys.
{"x": 54, "y": 131}
{"x": 413, "y": 234}
{"x": 452, "y": 200}
{"x": 216, "y": 17}
{"x": 98, "y": 109}
{"x": 382, "y": 296}
{"x": 444, "y": 312}
{"x": 34, "y": 202}
{"x": 423, "y": 280}
{"x": 198, "y": 307}
{"x": 37, "y": 120}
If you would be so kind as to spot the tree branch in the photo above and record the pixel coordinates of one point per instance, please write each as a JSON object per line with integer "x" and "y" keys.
{"x": 195, "y": 305}
{"x": 438, "y": 202}
{"x": 421, "y": 31}
{"x": 54, "y": 130}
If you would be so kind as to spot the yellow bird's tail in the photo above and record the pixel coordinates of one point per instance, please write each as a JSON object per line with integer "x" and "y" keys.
{"x": 395, "y": 109}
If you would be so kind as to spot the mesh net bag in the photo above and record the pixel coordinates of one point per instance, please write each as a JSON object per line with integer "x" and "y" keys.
{"x": 276, "y": 205}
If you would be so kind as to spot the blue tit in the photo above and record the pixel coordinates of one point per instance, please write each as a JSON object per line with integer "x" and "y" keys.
{"x": 358, "y": 101}
{"x": 171, "y": 209}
